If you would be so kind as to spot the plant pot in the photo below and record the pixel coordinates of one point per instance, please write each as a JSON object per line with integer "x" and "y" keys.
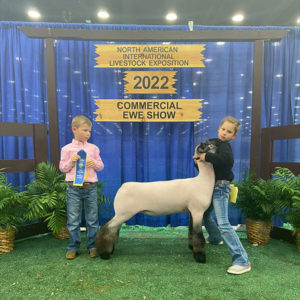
{"x": 7, "y": 238}
{"x": 63, "y": 233}
{"x": 258, "y": 232}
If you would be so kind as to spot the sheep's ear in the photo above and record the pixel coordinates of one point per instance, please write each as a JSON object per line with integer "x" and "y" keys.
{"x": 198, "y": 149}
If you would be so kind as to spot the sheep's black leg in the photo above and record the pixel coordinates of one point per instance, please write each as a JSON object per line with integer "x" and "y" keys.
{"x": 198, "y": 241}
{"x": 199, "y": 251}
{"x": 190, "y": 234}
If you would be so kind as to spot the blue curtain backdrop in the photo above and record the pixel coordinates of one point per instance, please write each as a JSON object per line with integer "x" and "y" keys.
{"x": 148, "y": 151}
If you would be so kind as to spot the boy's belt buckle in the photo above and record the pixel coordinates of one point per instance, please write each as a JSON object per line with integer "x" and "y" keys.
{"x": 85, "y": 185}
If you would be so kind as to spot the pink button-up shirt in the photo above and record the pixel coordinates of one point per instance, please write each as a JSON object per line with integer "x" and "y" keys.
{"x": 68, "y": 167}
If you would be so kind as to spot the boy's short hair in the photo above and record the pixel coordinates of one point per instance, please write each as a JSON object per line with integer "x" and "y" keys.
{"x": 79, "y": 120}
{"x": 233, "y": 121}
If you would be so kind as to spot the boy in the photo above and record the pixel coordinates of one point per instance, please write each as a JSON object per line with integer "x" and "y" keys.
{"x": 222, "y": 161}
{"x": 81, "y": 195}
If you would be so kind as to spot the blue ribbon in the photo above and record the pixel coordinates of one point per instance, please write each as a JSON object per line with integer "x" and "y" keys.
{"x": 80, "y": 168}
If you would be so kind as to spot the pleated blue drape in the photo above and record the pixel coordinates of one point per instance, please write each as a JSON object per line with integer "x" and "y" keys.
{"x": 147, "y": 151}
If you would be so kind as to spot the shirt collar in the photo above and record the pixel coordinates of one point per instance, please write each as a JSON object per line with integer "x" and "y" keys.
{"x": 77, "y": 143}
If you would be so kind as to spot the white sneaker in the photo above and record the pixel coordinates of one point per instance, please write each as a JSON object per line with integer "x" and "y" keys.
{"x": 207, "y": 241}
{"x": 237, "y": 269}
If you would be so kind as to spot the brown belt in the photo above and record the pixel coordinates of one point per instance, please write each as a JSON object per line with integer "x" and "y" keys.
{"x": 85, "y": 185}
{"x": 222, "y": 182}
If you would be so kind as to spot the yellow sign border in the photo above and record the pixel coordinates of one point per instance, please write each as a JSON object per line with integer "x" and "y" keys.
{"x": 148, "y": 110}
{"x": 149, "y": 56}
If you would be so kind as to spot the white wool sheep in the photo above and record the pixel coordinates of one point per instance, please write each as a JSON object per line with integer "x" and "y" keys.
{"x": 192, "y": 195}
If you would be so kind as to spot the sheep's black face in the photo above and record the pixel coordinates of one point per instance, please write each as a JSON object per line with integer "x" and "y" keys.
{"x": 206, "y": 146}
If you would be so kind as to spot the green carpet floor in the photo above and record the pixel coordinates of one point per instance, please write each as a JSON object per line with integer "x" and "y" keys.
{"x": 148, "y": 263}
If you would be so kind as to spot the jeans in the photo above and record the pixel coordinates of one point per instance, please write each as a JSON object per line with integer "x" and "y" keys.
{"x": 225, "y": 231}
{"x": 76, "y": 198}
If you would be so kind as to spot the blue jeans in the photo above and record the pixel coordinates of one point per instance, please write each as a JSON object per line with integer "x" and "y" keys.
{"x": 225, "y": 231}
{"x": 76, "y": 198}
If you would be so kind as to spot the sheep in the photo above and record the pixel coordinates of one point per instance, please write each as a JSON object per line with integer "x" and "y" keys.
{"x": 190, "y": 195}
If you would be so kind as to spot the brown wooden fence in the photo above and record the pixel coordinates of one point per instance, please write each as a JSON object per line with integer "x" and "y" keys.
{"x": 268, "y": 135}
{"x": 38, "y": 132}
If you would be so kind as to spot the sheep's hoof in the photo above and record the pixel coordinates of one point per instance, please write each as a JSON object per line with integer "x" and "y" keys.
{"x": 105, "y": 255}
{"x": 200, "y": 257}
{"x": 113, "y": 249}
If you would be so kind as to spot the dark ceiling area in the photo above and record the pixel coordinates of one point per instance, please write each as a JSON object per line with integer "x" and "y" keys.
{"x": 152, "y": 12}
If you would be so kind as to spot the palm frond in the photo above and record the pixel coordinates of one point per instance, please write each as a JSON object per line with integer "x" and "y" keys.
{"x": 289, "y": 186}
{"x": 55, "y": 220}
{"x": 257, "y": 198}
{"x": 104, "y": 202}
{"x": 11, "y": 205}
{"x": 46, "y": 196}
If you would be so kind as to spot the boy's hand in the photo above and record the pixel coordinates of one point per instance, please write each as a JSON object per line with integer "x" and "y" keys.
{"x": 90, "y": 163}
{"x": 75, "y": 157}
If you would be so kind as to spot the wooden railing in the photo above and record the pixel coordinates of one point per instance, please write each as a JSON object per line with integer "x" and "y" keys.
{"x": 268, "y": 135}
{"x": 38, "y": 132}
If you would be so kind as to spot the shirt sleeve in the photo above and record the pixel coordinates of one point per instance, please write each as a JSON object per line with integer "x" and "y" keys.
{"x": 99, "y": 165}
{"x": 65, "y": 164}
{"x": 223, "y": 157}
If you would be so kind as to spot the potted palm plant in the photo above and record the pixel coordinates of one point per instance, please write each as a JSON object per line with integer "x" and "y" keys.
{"x": 289, "y": 186}
{"x": 45, "y": 197}
{"x": 11, "y": 213}
{"x": 258, "y": 200}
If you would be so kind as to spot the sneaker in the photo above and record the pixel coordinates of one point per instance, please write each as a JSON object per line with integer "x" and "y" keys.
{"x": 71, "y": 254}
{"x": 237, "y": 269}
{"x": 93, "y": 253}
{"x": 208, "y": 242}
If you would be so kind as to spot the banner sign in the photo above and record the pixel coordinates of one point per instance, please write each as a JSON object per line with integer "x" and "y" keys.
{"x": 149, "y": 56}
{"x": 150, "y": 82}
{"x": 152, "y": 56}
{"x": 148, "y": 110}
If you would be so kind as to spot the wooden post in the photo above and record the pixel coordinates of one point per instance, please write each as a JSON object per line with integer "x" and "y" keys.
{"x": 52, "y": 103}
{"x": 256, "y": 107}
